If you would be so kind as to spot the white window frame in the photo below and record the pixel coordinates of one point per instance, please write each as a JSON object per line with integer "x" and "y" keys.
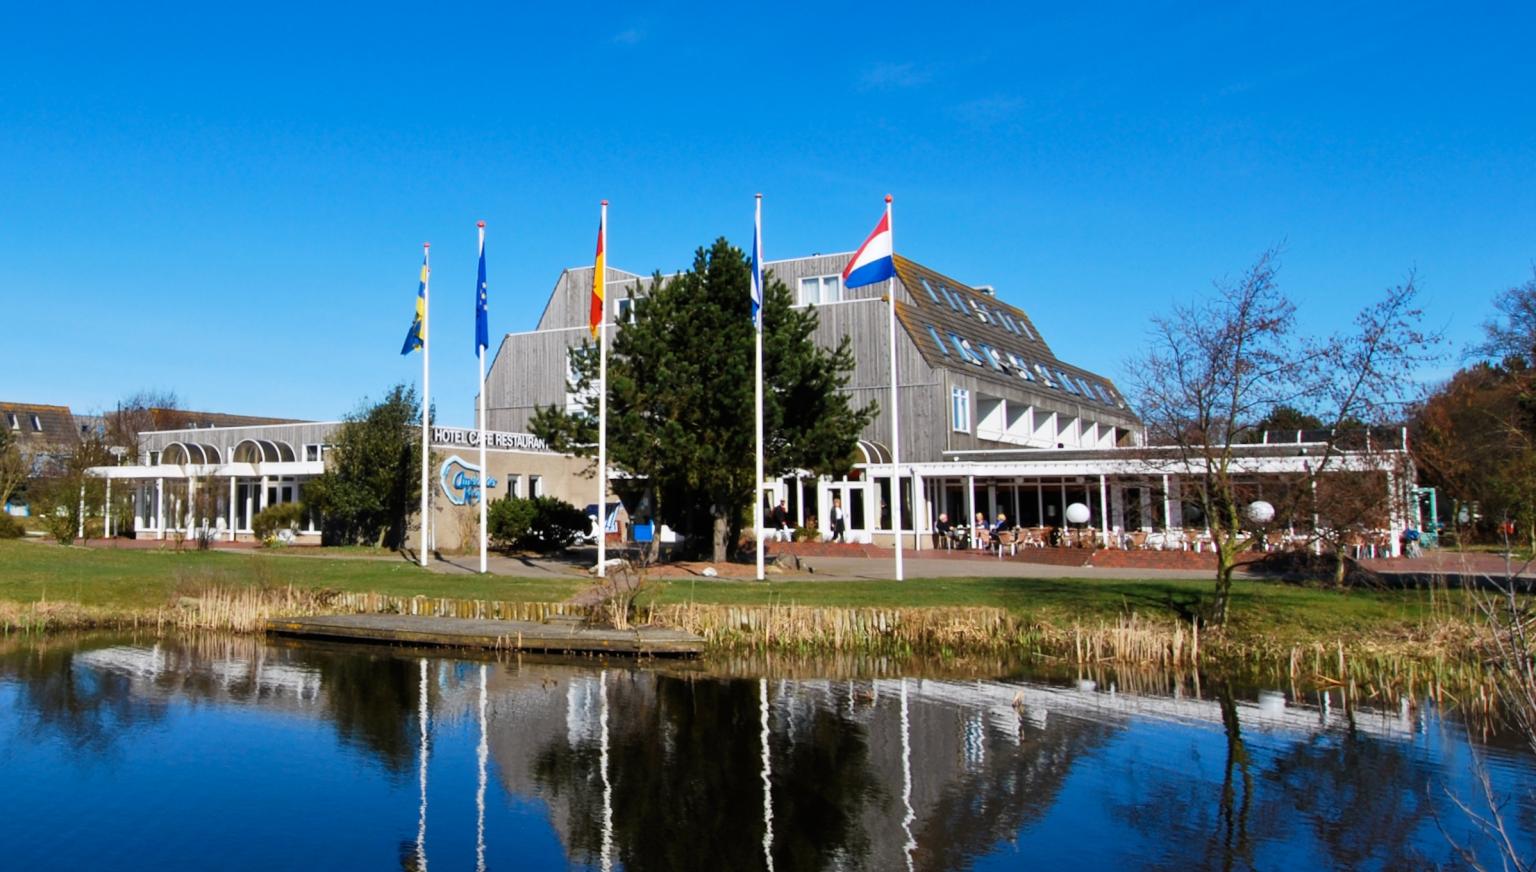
{"x": 37, "y": 424}
{"x": 15, "y": 422}
{"x": 535, "y": 486}
{"x": 834, "y": 282}
{"x": 317, "y": 454}
{"x": 514, "y": 484}
{"x": 960, "y": 410}
{"x": 626, "y": 310}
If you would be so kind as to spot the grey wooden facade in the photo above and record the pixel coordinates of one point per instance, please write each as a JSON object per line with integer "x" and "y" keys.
{"x": 1017, "y": 393}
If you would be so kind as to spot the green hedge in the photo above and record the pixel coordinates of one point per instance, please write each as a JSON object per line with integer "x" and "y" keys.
{"x": 10, "y": 528}
{"x": 279, "y": 517}
{"x": 541, "y": 524}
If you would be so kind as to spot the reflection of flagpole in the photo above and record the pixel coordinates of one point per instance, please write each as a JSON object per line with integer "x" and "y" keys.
{"x": 483, "y": 752}
{"x": 906, "y": 775}
{"x": 421, "y": 825}
{"x": 607, "y": 855}
{"x": 762, "y": 690}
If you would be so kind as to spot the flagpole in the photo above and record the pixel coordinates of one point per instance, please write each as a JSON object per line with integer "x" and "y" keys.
{"x": 895, "y": 415}
{"x": 757, "y": 332}
{"x": 483, "y": 477}
{"x": 426, "y": 396}
{"x": 602, "y": 399}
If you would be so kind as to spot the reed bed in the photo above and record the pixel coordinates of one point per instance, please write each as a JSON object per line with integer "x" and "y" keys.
{"x": 1416, "y": 661}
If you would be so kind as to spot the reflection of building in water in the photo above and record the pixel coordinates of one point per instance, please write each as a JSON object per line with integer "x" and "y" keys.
{"x": 865, "y": 774}
{"x": 227, "y": 669}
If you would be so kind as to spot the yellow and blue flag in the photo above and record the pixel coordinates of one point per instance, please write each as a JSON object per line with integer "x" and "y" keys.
{"x": 416, "y": 337}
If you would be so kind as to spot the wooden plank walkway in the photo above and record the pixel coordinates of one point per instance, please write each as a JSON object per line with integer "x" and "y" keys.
{"x": 563, "y": 636}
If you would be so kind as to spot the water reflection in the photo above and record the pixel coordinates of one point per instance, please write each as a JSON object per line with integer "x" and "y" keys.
{"x": 538, "y": 764}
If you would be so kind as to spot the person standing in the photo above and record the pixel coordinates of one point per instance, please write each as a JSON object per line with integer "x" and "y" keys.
{"x": 779, "y": 517}
{"x": 839, "y": 520}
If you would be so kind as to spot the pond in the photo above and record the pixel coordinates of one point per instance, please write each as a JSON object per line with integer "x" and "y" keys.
{"x": 233, "y": 753}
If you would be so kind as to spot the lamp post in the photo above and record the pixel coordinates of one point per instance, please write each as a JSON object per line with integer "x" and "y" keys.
{"x": 1077, "y": 513}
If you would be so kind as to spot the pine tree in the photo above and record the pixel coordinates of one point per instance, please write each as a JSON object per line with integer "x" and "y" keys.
{"x": 373, "y": 480}
{"x": 680, "y": 393}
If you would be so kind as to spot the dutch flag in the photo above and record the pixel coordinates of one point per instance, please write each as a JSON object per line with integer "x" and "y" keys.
{"x": 872, "y": 262}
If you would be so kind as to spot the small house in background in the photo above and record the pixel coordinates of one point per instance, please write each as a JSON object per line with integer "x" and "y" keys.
{"x": 46, "y": 435}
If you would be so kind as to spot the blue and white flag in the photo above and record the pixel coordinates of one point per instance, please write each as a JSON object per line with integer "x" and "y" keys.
{"x": 757, "y": 266}
{"x": 873, "y": 262}
{"x": 482, "y": 328}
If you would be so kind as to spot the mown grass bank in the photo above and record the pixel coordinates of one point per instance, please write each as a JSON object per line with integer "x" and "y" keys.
{"x": 1145, "y": 621}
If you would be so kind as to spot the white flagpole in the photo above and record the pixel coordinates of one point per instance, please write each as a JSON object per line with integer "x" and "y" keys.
{"x": 895, "y": 415}
{"x": 602, "y": 402}
{"x": 483, "y": 477}
{"x": 757, "y": 331}
{"x": 426, "y": 397}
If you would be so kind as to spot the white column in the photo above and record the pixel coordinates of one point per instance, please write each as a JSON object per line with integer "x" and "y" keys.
{"x": 1167, "y": 506}
{"x": 799, "y": 500}
{"x": 106, "y": 513}
{"x": 261, "y": 498}
{"x": 1104, "y": 509}
{"x": 159, "y": 508}
{"x": 81, "y": 533}
{"x": 231, "y": 508}
{"x": 970, "y": 507}
{"x": 1394, "y": 515}
{"x": 920, "y": 512}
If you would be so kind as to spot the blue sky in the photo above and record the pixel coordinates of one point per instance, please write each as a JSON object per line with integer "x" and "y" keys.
{"x": 229, "y": 202}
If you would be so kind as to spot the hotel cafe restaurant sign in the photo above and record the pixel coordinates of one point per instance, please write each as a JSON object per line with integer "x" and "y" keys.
{"x": 456, "y": 437}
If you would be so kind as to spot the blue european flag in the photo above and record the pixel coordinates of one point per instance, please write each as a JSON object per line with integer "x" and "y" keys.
{"x": 482, "y": 328}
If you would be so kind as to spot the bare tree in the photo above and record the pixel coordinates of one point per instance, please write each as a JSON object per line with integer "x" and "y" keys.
{"x": 1216, "y": 368}
{"x": 137, "y": 414}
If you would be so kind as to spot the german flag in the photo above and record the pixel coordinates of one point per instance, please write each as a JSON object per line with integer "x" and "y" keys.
{"x": 599, "y": 274}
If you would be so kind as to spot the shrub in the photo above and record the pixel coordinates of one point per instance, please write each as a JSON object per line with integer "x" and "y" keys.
{"x": 10, "y": 528}
{"x": 541, "y": 524}
{"x": 273, "y": 518}
{"x": 508, "y": 520}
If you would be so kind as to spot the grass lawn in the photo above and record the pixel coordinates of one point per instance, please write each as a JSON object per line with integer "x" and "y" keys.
{"x": 1281, "y": 613}
{"x": 31, "y": 571}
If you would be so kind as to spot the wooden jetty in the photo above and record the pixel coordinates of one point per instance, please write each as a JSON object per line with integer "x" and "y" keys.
{"x": 561, "y": 635}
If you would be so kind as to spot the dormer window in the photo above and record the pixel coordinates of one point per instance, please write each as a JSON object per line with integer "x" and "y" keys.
{"x": 37, "y": 424}
{"x": 13, "y": 420}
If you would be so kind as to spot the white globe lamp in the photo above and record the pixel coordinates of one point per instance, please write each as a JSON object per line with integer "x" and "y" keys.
{"x": 1077, "y": 513}
{"x": 1260, "y": 512}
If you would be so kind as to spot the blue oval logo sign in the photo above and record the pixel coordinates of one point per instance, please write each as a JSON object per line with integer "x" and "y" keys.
{"x": 460, "y": 481}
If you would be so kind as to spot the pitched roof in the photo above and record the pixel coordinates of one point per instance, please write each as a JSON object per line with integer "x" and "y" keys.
{"x": 184, "y": 419}
{"x": 38, "y": 426}
{"x": 958, "y": 327}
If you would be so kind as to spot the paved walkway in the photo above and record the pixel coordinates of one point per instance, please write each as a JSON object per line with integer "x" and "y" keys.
{"x": 870, "y": 563}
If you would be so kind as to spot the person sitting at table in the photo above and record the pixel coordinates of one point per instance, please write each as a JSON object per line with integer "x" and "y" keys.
{"x": 979, "y": 530}
{"x": 943, "y": 531}
{"x": 1003, "y": 525}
